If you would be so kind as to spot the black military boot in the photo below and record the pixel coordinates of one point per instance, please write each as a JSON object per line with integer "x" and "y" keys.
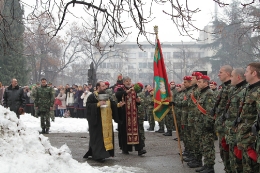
{"x": 188, "y": 159}
{"x": 201, "y": 169}
{"x": 141, "y": 152}
{"x": 43, "y": 131}
{"x": 168, "y": 133}
{"x": 160, "y": 131}
{"x": 209, "y": 169}
{"x": 150, "y": 129}
{"x": 47, "y": 131}
{"x": 195, "y": 164}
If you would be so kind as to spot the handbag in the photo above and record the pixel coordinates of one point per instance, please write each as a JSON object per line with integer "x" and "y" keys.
{"x": 57, "y": 102}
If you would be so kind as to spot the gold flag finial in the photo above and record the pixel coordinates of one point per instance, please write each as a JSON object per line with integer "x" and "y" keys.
{"x": 156, "y": 31}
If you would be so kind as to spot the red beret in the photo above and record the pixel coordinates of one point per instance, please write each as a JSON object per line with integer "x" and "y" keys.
{"x": 140, "y": 84}
{"x": 196, "y": 73}
{"x": 107, "y": 83}
{"x": 150, "y": 90}
{"x": 214, "y": 83}
{"x": 172, "y": 82}
{"x": 203, "y": 77}
{"x": 187, "y": 78}
{"x": 178, "y": 85}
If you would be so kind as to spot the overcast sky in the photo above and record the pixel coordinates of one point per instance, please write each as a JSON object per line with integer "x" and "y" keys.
{"x": 167, "y": 30}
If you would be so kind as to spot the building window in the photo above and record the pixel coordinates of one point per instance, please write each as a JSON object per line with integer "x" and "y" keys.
{"x": 143, "y": 54}
{"x": 142, "y": 65}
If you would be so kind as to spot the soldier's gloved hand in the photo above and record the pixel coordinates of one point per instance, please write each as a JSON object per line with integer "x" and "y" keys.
{"x": 171, "y": 103}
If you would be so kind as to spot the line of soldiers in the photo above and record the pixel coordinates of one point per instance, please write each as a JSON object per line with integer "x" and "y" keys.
{"x": 232, "y": 112}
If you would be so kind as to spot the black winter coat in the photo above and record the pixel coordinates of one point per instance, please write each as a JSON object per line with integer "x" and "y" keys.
{"x": 14, "y": 98}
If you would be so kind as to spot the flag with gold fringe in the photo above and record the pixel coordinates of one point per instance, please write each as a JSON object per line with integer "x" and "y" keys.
{"x": 162, "y": 92}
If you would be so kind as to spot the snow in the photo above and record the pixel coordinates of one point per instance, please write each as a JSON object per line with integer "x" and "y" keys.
{"x": 24, "y": 150}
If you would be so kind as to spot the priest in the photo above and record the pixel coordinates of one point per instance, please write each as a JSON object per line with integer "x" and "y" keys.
{"x": 100, "y": 113}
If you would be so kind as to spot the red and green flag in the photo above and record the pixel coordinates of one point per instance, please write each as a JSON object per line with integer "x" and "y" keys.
{"x": 162, "y": 92}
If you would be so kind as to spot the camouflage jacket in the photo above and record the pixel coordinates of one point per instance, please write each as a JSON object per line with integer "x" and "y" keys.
{"x": 44, "y": 98}
{"x": 142, "y": 106}
{"x": 206, "y": 101}
{"x": 250, "y": 110}
{"x": 236, "y": 94}
{"x": 150, "y": 101}
{"x": 219, "y": 109}
{"x": 186, "y": 97}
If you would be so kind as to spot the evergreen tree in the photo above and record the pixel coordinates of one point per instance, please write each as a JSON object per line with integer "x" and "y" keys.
{"x": 233, "y": 42}
{"x": 12, "y": 60}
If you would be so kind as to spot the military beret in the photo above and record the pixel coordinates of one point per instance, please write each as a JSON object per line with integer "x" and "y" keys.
{"x": 196, "y": 73}
{"x": 140, "y": 84}
{"x": 107, "y": 83}
{"x": 178, "y": 85}
{"x": 172, "y": 82}
{"x": 213, "y": 83}
{"x": 187, "y": 78}
{"x": 150, "y": 90}
{"x": 203, "y": 77}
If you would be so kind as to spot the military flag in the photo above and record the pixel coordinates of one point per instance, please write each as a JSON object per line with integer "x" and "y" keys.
{"x": 162, "y": 94}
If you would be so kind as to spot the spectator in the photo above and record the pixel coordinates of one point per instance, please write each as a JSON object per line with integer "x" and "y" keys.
{"x": 14, "y": 98}
{"x": 62, "y": 97}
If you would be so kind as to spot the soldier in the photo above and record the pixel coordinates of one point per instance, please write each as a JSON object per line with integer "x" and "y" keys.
{"x": 195, "y": 160}
{"x": 218, "y": 109}
{"x": 150, "y": 106}
{"x": 44, "y": 100}
{"x": 184, "y": 119}
{"x": 141, "y": 113}
{"x": 169, "y": 116}
{"x": 213, "y": 86}
{"x": 204, "y": 105}
{"x": 239, "y": 83}
{"x": 178, "y": 108}
{"x": 52, "y": 115}
{"x": 250, "y": 106}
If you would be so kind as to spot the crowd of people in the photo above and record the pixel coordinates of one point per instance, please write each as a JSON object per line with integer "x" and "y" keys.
{"x": 203, "y": 111}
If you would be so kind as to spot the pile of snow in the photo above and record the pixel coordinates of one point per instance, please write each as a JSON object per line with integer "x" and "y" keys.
{"x": 24, "y": 150}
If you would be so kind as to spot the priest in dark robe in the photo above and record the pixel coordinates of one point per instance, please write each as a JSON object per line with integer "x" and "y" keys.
{"x": 129, "y": 134}
{"x": 99, "y": 115}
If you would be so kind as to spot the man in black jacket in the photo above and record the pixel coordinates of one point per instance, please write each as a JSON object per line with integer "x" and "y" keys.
{"x": 14, "y": 98}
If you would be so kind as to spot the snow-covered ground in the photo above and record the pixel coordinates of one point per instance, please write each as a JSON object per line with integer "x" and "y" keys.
{"x": 24, "y": 150}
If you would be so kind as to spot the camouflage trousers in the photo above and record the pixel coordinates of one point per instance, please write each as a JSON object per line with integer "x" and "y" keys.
{"x": 150, "y": 117}
{"x": 208, "y": 148}
{"x": 45, "y": 119}
{"x": 169, "y": 121}
{"x": 141, "y": 131}
{"x": 196, "y": 135}
{"x": 178, "y": 119}
{"x": 224, "y": 154}
{"x": 52, "y": 115}
{"x": 249, "y": 166}
{"x": 235, "y": 163}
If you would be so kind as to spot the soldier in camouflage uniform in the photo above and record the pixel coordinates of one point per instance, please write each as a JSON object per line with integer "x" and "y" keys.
{"x": 205, "y": 126}
{"x": 44, "y": 100}
{"x": 193, "y": 121}
{"x": 236, "y": 93}
{"x": 52, "y": 115}
{"x": 184, "y": 119}
{"x": 250, "y": 110}
{"x": 141, "y": 113}
{"x": 218, "y": 110}
{"x": 213, "y": 86}
{"x": 178, "y": 109}
{"x": 169, "y": 117}
{"x": 33, "y": 96}
{"x": 150, "y": 115}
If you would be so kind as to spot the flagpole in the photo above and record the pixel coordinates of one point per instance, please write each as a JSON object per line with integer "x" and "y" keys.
{"x": 174, "y": 116}
{"x": 177, "y": 133}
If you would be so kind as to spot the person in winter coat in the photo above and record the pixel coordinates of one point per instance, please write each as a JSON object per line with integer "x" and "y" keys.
{"x": 14, "y": 98}
{"x": 62, "y": 97}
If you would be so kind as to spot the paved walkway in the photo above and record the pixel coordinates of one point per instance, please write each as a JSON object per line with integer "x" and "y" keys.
{"x": 161, "y": 157}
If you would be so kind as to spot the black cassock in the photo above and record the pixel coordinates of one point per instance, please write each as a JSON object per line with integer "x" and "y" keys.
{"x": 96, "y": 143}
